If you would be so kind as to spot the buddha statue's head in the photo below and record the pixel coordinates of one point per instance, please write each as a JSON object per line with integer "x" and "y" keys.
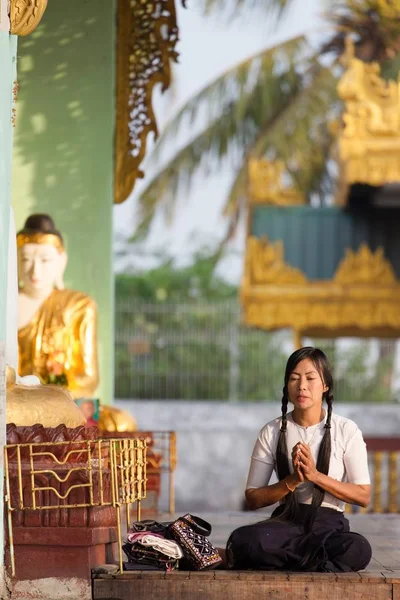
{"x": 41, "y": 256}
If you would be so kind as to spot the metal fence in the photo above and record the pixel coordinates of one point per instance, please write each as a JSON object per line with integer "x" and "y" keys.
{"x": 202, "y": 351}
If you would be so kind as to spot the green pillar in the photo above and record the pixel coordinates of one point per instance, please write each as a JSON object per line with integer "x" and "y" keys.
{"x": 63, "y": 150}
{"x": 8, "y": 48}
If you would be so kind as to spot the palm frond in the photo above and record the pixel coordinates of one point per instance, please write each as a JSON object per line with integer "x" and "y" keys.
{"x": 205, "y": 151}
{"x": 301, "y": 135}
{"x": 232, "y": 88}
{"x": 229, "y": 134}
{"x": 306, "y": 147}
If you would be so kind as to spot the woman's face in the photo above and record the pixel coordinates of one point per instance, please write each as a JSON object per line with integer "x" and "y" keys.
{"x": 39, "y": 267}
{"x": 305, "y": 385}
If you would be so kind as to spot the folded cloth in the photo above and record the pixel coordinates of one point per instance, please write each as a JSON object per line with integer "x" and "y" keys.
{"x": 167, "y": 547}
{"x": 135, "y": 537}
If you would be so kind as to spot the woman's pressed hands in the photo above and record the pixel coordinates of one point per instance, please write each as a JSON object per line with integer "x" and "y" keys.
{"x": 303, "y": 463}
{"x": 298, "y": 474}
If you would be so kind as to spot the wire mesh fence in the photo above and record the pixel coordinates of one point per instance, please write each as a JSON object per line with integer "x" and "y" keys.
{"x": 202, "y": 351}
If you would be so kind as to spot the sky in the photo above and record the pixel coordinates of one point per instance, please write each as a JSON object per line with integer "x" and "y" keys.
{"x": 207, "y": 47}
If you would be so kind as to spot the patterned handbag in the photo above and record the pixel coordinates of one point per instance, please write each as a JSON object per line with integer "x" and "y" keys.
{"x": 191, "y": 534}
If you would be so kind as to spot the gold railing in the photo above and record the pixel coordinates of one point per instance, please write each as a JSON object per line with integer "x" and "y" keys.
{"x": 161, "y": 457}
{"x": 384, "y": 462}
{"x": 75, "y": 465}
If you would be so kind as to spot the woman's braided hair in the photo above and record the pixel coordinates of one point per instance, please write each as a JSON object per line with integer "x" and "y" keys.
{"x": 321, "y": 363}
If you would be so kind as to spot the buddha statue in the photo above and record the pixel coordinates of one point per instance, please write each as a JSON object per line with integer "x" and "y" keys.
{"x": 57, "y": 339}
{"x": 56, "y": 326}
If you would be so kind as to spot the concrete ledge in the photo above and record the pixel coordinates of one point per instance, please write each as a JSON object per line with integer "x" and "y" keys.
{"x": 249, "y": 585}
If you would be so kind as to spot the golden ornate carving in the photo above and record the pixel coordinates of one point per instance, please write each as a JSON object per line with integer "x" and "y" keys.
{"x": 365, "y": 267}
{"x": 147, "y": 34}
{"x": 25, "y": 15}
{"x": 265, "y": 264}
{"x": 369, "y": 143}
{"x": 266, "y": 184}
{"x": 350, "y": 304}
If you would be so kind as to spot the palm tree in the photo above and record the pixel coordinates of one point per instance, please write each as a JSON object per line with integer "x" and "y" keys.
{"x": 278, "y": 103}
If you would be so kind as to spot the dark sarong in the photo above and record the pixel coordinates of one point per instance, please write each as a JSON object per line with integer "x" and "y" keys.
{"x": 283, "y": 545}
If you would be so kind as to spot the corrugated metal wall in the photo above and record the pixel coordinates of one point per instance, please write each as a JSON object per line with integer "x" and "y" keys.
{"x": 315, "y": 239}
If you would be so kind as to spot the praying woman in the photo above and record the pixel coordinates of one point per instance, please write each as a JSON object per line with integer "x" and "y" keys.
{"x": 320, "y": 460}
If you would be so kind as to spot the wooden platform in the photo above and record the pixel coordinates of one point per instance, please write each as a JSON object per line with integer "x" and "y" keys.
{"x": 381, "y": 581}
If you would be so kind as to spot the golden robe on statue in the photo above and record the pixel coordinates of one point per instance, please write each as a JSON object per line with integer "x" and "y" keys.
{"x": 62, "y": 331}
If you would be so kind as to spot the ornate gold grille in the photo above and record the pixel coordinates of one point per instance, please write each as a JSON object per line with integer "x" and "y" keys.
{"x": 49, "y": 475}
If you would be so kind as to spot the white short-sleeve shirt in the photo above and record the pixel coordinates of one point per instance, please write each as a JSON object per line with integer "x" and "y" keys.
{"x": 348, "y": 461}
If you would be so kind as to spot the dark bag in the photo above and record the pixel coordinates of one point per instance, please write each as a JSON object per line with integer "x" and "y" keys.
{"x": 150, "y": 526}
{"x": 147, "y": 558}
{"x": 191, "y": 534}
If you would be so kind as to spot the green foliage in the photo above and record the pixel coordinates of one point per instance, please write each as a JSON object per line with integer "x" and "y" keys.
{"x": 179, "y": 336}
{"x": 357, "y": 378}
{"x": 168, "y": 283}
{"x": 194, "y": 351}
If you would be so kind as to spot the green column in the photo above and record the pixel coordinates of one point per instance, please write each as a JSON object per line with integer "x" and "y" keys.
{"x": 63, "y": 151}
{"x": 8, "y": 48}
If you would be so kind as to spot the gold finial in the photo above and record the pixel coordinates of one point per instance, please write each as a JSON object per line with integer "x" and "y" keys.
{"x": 349, "y": 51}
{"x": 365, "y": 267}
{"x": 265, "y": 264}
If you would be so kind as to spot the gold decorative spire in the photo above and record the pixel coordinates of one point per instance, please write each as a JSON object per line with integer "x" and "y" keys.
{"x": 365, "y": 267}
{"x": 147, "y": 34}
{"x": 265, "y": 264}
{"x": 266, "y": 184}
